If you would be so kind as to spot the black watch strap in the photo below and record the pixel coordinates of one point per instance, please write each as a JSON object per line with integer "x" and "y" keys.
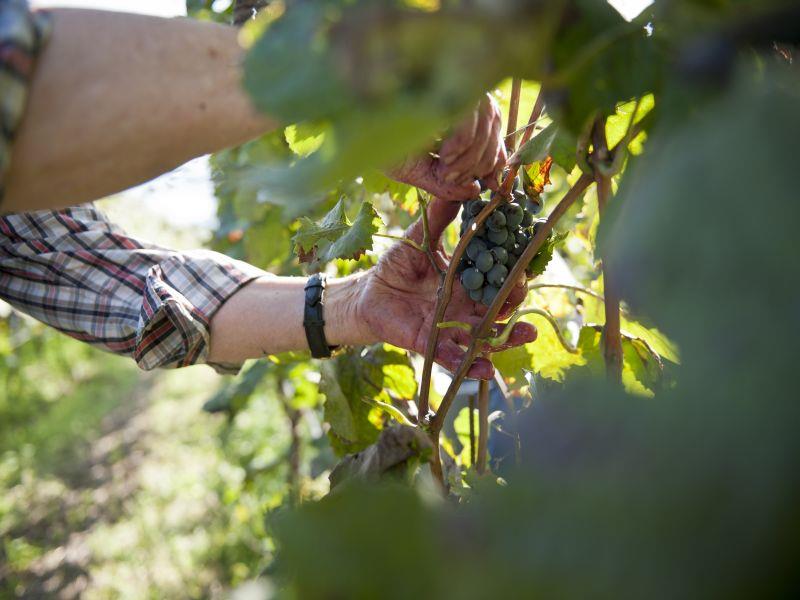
{"x": 313, "y": 321}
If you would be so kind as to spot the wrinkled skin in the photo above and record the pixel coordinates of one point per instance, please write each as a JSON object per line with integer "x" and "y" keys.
{"x": 399, "y": 299}
{"x": 473, "y": 153}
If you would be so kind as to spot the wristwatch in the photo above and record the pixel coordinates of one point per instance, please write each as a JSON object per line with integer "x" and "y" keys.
{"x": 313, "y": 321}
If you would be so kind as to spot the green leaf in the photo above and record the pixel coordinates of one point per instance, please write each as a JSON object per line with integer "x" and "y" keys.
{"x": 345, "y": 409}
{"x": 538, "y": 147}
{"x": 546, "y": 357}
{"x": 304, "y": 138}
{"x": 545, "y": 255}
{"x": 564, "y": 149}
{"x": 644, "y": 364}
{"x": 335, "y": 237}
{"x": 357, "y": 383}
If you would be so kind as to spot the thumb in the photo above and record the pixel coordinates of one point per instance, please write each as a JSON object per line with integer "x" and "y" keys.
{"x": 440, "y": 214}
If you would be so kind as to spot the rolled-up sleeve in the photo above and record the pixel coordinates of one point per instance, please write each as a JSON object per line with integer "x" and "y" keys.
{"x": 74, "y": 270}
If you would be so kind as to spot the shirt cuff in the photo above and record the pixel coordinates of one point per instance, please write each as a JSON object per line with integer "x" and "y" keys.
{"x": 181, "y": 296}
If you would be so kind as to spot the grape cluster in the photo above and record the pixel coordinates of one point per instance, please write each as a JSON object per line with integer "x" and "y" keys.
{"x": 497, "y": 245}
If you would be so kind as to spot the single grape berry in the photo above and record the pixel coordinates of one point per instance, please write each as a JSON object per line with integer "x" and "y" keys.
{"x": 497, "y": 237}
{"x": 489, "y": 293}
{"x": 475, "y": 207}
{"x": 476, "y": 295}
{"x": 496, "y": 221}
{"x": 519, "y": 197}
{"x": 500, "y": 255}
{"x": 484, "y": 262}
{"x": 517, "y": 250}
{"x": 527, "y": 219}
{"x": 509, "y": 243}
{"x": 472, "y": 279}
{"x": 475, "y": 247}
{"x": 512, "y": 260}
{"x": 534, "y": 205}
{"x": 463, "y": 265}
{"x": 514, "y": 214}
{"x": 497, "y": 275}
{"x": 522, "y": 238}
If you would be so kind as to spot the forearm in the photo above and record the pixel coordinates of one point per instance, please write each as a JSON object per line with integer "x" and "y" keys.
{"x": 118, "y": 99}
{"x": 266, "y": 317}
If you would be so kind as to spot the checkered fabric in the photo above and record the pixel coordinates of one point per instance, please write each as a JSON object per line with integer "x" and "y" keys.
{"x": 76, "y": 271}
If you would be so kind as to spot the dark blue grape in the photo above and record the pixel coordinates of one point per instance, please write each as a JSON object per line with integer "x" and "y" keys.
{"x": 500, "y": 255}
{"x": 522, "y": 238}
{"x": 489, "y": 293}
{"x": 496, "y": 221}
{"x": 476, "y": 295}
{"x": 534, "y": 205}
{"x": 475, "y": 247}
{"x": 497, "y": 275}
{"x": 484, "y": 262}
{"x": 514, "y": 214}
{"x": 497, "y": 237}
{"x": 472, "y": 279}
{"x": 475, "y": 207}
{"x": 527, "y": 219}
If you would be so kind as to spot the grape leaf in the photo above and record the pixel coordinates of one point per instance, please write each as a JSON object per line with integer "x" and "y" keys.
{"x": 546, "y": 357}
{"x": 304, "y": 138}
{"x": 335, "y": 236}
{"x": 538, "y": 147}
{"x": 356, "y": 385}
{"x": 545, "y": 255}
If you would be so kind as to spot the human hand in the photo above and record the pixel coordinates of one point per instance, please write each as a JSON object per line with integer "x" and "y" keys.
{"x": 397, "y": 301}
{"x": 474, "y": 152}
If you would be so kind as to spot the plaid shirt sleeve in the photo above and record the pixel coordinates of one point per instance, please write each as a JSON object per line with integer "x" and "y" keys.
{"x": 22, "y": 35}
{"x": 74, "y": 270}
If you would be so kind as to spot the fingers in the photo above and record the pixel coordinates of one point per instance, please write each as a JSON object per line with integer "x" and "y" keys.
{"x": 521, "y": 333}
{"x": 440, "y": 214}
{"x": 486, "y": 163}
{"x": 515, "y": 298}
{"x": 461, "y": 140}
{"x": 449, "y": 355}
{"x": 467, "y": 162}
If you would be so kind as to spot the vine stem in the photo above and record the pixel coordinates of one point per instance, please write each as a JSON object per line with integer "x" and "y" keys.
{"x": 503, "y": 337}
{"x": 514, "y": 276}
{"x": 399, "y": 238}
{"x": 513, "y": 113}
{"x": 612, "y": 337}
{"x": 483, "y": 425}
{"x": 446, "y": 285}
{"x": 426, "y": 238}
{"x": 442, "y": 301}
{"x": 536, "y": 112}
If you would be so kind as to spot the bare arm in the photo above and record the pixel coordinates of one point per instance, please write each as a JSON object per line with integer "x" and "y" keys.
{"x": 118, "y": 99}
{"x": 266, "y": 317}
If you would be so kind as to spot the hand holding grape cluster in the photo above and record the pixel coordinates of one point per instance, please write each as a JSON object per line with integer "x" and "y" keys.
{"x": 497, "y": 244}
